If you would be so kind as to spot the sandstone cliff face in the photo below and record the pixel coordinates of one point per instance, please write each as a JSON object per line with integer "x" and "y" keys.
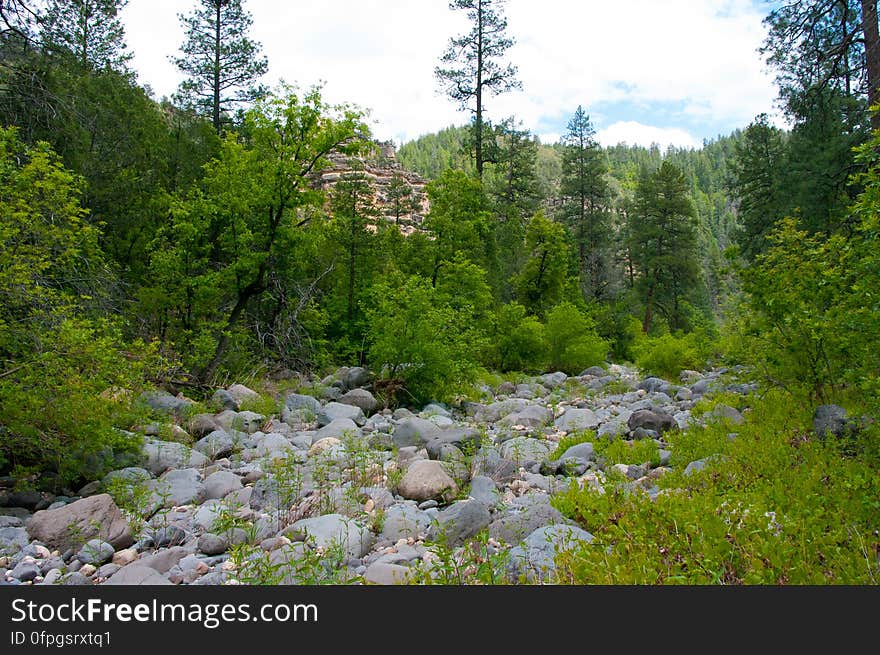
{"x": 398, "y": 194}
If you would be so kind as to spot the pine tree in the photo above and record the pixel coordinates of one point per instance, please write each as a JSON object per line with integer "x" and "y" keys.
{"x": 471, "y": 68}
{"x": 222, "y": 63}
{"x": 758, "y": 169}
{"x": 585, "y": 195}
{"x": 664, "y": 243}
{"x": 90, "y": 30}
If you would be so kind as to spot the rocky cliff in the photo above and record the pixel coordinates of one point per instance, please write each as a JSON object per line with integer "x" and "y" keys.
{"x": 399, "y": 195}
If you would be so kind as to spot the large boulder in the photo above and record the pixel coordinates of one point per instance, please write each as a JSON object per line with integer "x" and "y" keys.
{"x": 577, "y": 419}
{"x": 137, "y": 575}
{"x": 414, "y": 431}
{"x": 163, "y": 455}
{"x": 466, "y": 440}
{"x": 177, "y": 487}
{"x": 359, "y": 398}
{"x": 71, "y": 526}
{"x": 832, "y": 420}
{"x": 218, "y": 443}
{"x": 333, "y": 411}
{"x": 652, "y": 419}
{"x": 426, "y": 480}
{"x": 242, "y": 395}
{"x": 460, "y": 521}
{"x": 404, "y": 521}
{"x": 337, "y": 429}
{"x": 356, "y": 377}
{"x": 535, "y": 557}
{"x": 164, "y": 402}
{"x": 533, "y": 416}
{"x": 525, "y": 449}
{"x": 220, "y": 484}
{"x": 525, "y": 515}
{"x": 333, "y": 530}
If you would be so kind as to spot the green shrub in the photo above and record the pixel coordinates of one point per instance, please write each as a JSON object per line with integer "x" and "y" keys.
{"x": 63, "y": 406}
{"x": 666, "y": 356}
{"x": 420, "y": 342}
{"x": 519, "y": 341}
{"x": 572, "y": 340}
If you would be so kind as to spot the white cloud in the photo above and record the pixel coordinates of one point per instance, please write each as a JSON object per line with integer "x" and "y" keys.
{"x": 381, "y": 54}
{"x": 635, "y": 133}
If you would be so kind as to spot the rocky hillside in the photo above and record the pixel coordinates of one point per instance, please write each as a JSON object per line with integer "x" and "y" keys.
{"x": 334, "y": 488}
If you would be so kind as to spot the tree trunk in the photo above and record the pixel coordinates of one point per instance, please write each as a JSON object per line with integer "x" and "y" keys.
{"x": 479, "y": 89}
{"x": 649, "y": 301}
{"x": 216, "y": 81}
{"x": 872, "y": 55}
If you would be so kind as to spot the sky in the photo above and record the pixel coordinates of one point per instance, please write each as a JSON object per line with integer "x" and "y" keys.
{"x": 666, "y": 71}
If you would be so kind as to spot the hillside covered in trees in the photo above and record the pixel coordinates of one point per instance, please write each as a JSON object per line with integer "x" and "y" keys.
{"x": 154, "y": 253}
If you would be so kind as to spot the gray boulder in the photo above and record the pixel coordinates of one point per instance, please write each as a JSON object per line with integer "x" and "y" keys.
{"x": 177, "y": 487}
{"x": 164, "y": 402}
{"x": 460, "y": 521}
{"x": 137, "y": 575}
{"x": 553, "y": 380}
{"x": 337, "y": 429}
{"x": 652, "y": 385}
{"x": 220, "y": 484}
{"x": 575, "y": 419}
{"x": 833, "y": 420}
{"x": 215, "y": 445}
{"x": 403, "y": 521}
{"x": 414, "y": 431}
{"x": 533, "y": 416}
{"x": 535, "y": 559}
{"x": 484, "y": 490}
{"x": 95, "y": 551}
{"x": 163, "y": 455}
{"x": 223, "y": 400}
{"x": 652, "y": 419}
{"x": 583, "y": 451}
{"x": 356, "y": 377}
{"x": 525, "y": 449}
{"x": 333, "y": 411}
{"x": 728, "y": 413}
{"x": 334, "y": 530}
{"x": 522, "y": 517}
{"x": 359, "y": 398}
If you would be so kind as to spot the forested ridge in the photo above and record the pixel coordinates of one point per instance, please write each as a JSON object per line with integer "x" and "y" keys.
{"x": 705, "y": 320}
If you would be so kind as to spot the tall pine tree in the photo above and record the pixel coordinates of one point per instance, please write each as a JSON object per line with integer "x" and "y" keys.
{"x": 664, "y": 244}
{"x": 88, "y": 29}
{"x": 471, "y": 68}
{"x": 222, "y": 63}
{"x": 586, "y": 198}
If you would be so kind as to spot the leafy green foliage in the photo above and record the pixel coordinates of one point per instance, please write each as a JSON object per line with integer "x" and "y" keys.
{"x": 772, "y": 507}
{"x": 418, "y": 341}
{"x": 540, "y": 284}
{"x": 572, "y": 339}
{"x": 519, "y": 342}
{"x": 667, "y": 355}
{"x": 63, "y": 405}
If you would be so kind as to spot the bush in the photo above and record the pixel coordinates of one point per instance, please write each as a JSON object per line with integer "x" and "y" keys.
{"x": 420, "y": 342}
{"x": 62, "y": 406}
{"x": 518, "y": 341}
{"x": 667, "y": 355}
{"x": 572, "y": 340}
